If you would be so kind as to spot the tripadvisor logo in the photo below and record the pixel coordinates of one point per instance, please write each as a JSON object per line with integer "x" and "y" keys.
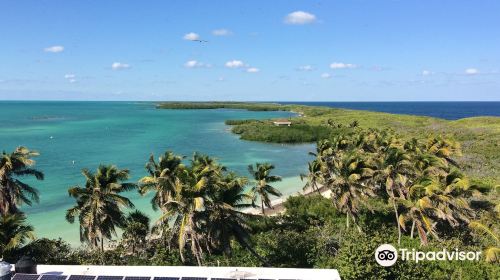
{"x": 387, "y": 255}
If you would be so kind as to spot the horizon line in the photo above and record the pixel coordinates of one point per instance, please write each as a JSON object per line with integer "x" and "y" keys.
{"x": 244, "y": 101}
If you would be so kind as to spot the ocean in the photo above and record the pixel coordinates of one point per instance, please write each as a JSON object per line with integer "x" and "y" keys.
{"x": 443, "y": 110}
{"x": 75, "y": 135}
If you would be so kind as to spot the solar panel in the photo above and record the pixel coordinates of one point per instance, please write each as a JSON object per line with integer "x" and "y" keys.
{"x": 105, "y": 277}
{"x": 81, "y": 277}
{"x": 24, "y": 276}
{"x": 53, "y": 277}
{"x": 194, "y": 278}
{"x": 223, "y": 279}
{"x": 166, "y": 278}
{"x": 137, "y": 278}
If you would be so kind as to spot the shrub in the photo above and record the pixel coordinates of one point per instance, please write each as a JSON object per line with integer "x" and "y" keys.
{"x": 48, "y": 251}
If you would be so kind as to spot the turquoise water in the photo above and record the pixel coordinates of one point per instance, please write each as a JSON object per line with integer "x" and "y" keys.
{"x": 125, "y": 134}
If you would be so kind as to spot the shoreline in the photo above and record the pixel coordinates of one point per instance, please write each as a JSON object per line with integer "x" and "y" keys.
{"x": 277, "y": 205}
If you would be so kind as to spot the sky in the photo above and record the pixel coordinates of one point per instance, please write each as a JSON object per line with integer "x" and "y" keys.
{"x": 344, "y": 50}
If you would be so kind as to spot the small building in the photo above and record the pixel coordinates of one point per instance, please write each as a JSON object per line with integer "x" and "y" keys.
{"x": 282, "y": 122}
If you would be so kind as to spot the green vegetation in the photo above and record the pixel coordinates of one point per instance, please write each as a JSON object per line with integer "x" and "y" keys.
{"x": 238, "y": 122}
{"x": 200, "y": 204}
{"x": 99, "y": 204}
{"x": 136, "y": 230}
{"x": 412, "y": 189}
{"x": 261, "y": 188}
{"x": 478, "y": 137}
{"x": 221, "y": 105}
{"x": 267, "y": 132}
{"x": 14, "y": 232}
{"x": 14, "y": 193}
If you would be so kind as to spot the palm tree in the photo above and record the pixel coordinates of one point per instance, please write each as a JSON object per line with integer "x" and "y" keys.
{"x": 437, "y": 199}
{"x": 261, "y": 188}
{"x": 224, "y": 218}
{"x": 204, "y": 209}
{"x": 450, "y": 195}
{"x": 354, "y": 124}
{"x": 184, "y": 211}
{"x": 99, "y": 203}
{"x": 420, "y": 211}
{"x": 350, "y": 180}
{"x": 428, "y": 165}
{"x": 491, "y": 253}
{"x": 395, "y": 173}
{"x": 136, "y": 229}
{"x": 313, "y": 176}
{"x": 161, "y": 177}
{"x": 14, "y": 232}
{"x": 181, "y": 196}
{"x": 444, "y": 148}
{"x": 13, "y": 192}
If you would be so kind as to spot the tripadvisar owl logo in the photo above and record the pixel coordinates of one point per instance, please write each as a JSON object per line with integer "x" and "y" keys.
{"x": 386, "y": 255}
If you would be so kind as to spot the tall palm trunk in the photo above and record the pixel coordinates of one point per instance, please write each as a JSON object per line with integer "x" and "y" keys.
{"x": 347, "y": 220}
{"x": 196, "y": 252}
{"x": 102, "y": 244}
{"x": 262, "y": 206}
{"x": 397, "y": 220}
{"x": 315, "y": 188}
{"x": 412, "y": 229}
{"x": 397, "y": 215}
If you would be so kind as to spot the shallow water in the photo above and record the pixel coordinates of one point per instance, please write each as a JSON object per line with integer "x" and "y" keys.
{"x": 75, "y": 135}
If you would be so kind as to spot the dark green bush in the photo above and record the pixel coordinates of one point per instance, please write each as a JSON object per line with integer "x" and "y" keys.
{"x": 267, "y": 132}
{"x": 47, "y": 251}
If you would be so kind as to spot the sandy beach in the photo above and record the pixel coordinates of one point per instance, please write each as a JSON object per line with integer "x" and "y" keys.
{"x": 278, "y": 204}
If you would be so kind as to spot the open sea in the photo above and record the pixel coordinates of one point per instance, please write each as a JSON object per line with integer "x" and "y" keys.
{"x": 443, "y": 110}
{"x": 75, "y": 135}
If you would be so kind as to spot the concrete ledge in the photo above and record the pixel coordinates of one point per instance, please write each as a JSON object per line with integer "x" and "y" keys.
{"x": 192, "y": 271}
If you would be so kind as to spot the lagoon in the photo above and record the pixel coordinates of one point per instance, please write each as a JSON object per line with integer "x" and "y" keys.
{"x": 75, "y": 135}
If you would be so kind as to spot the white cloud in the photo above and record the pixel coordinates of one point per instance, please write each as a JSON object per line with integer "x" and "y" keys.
{"x": 119, "y": 66}
{"x": 300, "y": 17}
{"x": 235, "y": 64}
{"x": 326, "y": 75}
{"x": 191, "y": 64}
{"x": 221, "y": 79}
{"x": 253, "y": 70}
{"x": 341, "y": 65}
{"x": 426, "y": 73}
{"x": 221, "y": 32}
{"x": 305, "y": 68}
{"x": 54, "y": 49}
{"x": 191, "y": 36}
{"x": 471, "y": 71}
{"x": 70, "y": 78}
{"x": 196, "y": 64}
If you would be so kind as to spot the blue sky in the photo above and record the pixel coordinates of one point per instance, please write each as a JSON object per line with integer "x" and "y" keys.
{"x": 356, "y": 50}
